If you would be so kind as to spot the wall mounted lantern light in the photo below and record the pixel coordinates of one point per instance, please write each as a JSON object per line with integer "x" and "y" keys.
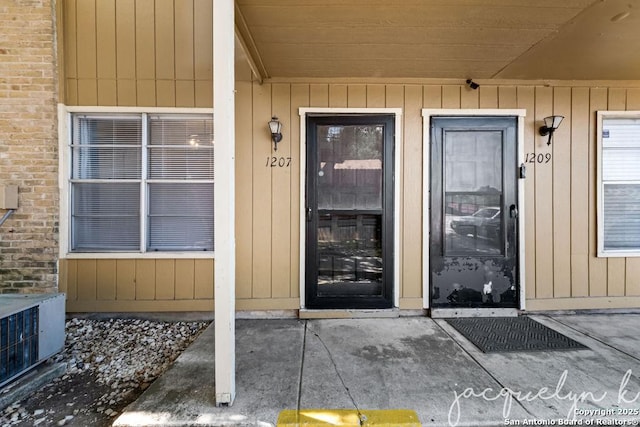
{"x": 551, "y": 123}
{"x": 276, "y": 135}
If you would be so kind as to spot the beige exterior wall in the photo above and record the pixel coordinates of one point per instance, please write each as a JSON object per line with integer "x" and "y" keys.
{"x": 137, "y": 52}
{"x": 161, "y": 58}
{"x": 138, "y": 285}
{"x": 28, "y": 146}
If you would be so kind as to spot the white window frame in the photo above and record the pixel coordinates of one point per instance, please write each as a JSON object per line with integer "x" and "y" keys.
{"x": 64, "y": 172}
{"x": 601, "y": 252}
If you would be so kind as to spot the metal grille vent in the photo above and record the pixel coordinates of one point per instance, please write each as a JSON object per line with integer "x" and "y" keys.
{"x": 18, "y": 342}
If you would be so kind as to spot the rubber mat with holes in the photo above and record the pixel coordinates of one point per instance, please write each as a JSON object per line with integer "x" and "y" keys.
{"x": 502, "y": 334}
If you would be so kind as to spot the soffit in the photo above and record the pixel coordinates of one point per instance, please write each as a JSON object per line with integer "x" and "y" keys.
{"x": 596, "y": 45}
{"x": 443, "y": 38}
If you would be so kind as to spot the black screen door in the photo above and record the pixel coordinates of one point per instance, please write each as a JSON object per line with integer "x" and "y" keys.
{"x": 474, "y": 225}
{"x": 349, "y": 233}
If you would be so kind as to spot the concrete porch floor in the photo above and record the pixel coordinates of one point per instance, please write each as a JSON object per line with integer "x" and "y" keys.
{"x": 412, "y": 363}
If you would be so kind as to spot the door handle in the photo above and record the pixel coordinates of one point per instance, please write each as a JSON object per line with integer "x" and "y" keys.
{"x": 308, "y": 214}
{"x": 513, "y": 211}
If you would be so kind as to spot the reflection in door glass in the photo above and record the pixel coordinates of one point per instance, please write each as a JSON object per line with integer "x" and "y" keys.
{"x": 349, "y": 252}
{"x": 473, "y": 161}
{"x": 350, "y": 167}
{"x": 350, "y": 179}
{"x": 473, "y": 224}
{"x": 473, "y": 193}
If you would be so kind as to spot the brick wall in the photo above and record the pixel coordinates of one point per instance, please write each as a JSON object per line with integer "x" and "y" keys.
{"x": 28, "y": 145}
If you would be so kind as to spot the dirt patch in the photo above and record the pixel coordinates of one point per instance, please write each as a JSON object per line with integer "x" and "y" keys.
{"x": 109, "y": 364}
{"x": 72, "y": 400}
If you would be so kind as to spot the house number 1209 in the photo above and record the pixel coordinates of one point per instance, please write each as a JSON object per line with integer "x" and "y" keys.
{"x": 539, "y": 158}
{"x": 278, "y": 162}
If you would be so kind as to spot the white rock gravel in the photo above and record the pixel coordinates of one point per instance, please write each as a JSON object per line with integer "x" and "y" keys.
{"x": 124, "y": 355}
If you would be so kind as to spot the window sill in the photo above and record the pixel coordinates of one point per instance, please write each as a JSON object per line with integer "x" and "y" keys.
{"x": 619, "y": 254}
{"x": 139, "y": 255}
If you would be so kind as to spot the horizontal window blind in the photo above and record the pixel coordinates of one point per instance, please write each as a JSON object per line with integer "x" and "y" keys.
{"x": 105, "y": 216}
{"x": 107, "y": 130}
{"x": 621, "y": 164}
{"x": 106, "y": 163}
{"x": 169, "y": 199}
{"x": 115, "y": 191}
{"x": 622, "y": 216}
{"x": 106, "y": 147}
{"x": 620, "y": 184}
{"x": 619, "y": 132}
{"x": 181, "y": 163}
{"x": 181, "y": 216}
{"x": 180, "y": 148}
{"x": 177, "y": 130}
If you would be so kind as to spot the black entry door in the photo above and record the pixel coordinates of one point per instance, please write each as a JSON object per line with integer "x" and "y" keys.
{"x": 349, "y": 188}
{"x": 474, "y": 224}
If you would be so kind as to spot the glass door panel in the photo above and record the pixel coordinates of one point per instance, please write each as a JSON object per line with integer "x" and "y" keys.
{"x": 349, "y": 254}
{"x": 473, "y": 192}
{"x": 348, "y": 200}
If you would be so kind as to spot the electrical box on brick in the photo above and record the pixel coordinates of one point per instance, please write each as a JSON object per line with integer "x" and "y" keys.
{"x": 8, "y": 197}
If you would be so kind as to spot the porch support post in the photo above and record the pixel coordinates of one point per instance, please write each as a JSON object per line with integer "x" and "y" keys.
{"x": 224, "y": 200}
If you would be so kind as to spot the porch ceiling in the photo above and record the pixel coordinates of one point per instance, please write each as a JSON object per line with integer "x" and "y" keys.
{"x": 480, "y": 39}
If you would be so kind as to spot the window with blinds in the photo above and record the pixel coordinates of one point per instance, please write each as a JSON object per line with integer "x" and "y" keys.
{"x": 620, "y": 185}
{"x": 141, "y": 183}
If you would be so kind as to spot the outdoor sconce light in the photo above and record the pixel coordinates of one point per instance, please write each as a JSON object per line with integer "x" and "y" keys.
{"x": 551, "y": 123}
{"x": 275, "y": 127}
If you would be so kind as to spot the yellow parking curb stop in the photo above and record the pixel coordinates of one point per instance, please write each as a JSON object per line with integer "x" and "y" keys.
{"x": 348, "y": 418}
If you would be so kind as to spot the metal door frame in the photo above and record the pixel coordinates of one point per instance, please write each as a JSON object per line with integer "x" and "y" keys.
{"x": 310, "y": 111}
{"x": 427, "y": 115}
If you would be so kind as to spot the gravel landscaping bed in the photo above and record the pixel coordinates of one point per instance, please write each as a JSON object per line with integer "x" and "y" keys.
{"x": 109, "y": 364}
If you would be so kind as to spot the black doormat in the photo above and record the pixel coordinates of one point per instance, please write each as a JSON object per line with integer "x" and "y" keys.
{"x": 502, "y": 334}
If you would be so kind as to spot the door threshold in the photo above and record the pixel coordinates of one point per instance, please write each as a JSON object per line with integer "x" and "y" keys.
{"x": 349, "y": 313}
{"x": 441, "y": 313}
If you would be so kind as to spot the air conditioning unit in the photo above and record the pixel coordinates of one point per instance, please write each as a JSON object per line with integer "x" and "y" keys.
{"x": 31, "y": 331}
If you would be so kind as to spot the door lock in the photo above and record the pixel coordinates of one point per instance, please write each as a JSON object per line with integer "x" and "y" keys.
{"x": 523, "y": 171}
{"x": 513, "y": 211}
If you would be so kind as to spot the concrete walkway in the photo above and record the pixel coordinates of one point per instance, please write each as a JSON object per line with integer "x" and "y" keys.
{"x": 405, "y": 363}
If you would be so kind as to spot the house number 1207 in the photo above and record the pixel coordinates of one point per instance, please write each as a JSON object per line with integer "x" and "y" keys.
{"x": 278, "y": 162}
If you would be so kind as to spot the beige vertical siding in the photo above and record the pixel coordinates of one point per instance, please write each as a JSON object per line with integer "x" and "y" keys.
{"x": 137, "y": 52}
{"x": 146, "y": 53}
{"x": 579, "y": 192}
{"x": 262, "y": 217}
{"x": 561, "y": 200}
{"x": 244, "y": 191}
{"x": 137, "y": 284}
{"x": 281, "y": 193}
{"x": 411, "y": 205}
